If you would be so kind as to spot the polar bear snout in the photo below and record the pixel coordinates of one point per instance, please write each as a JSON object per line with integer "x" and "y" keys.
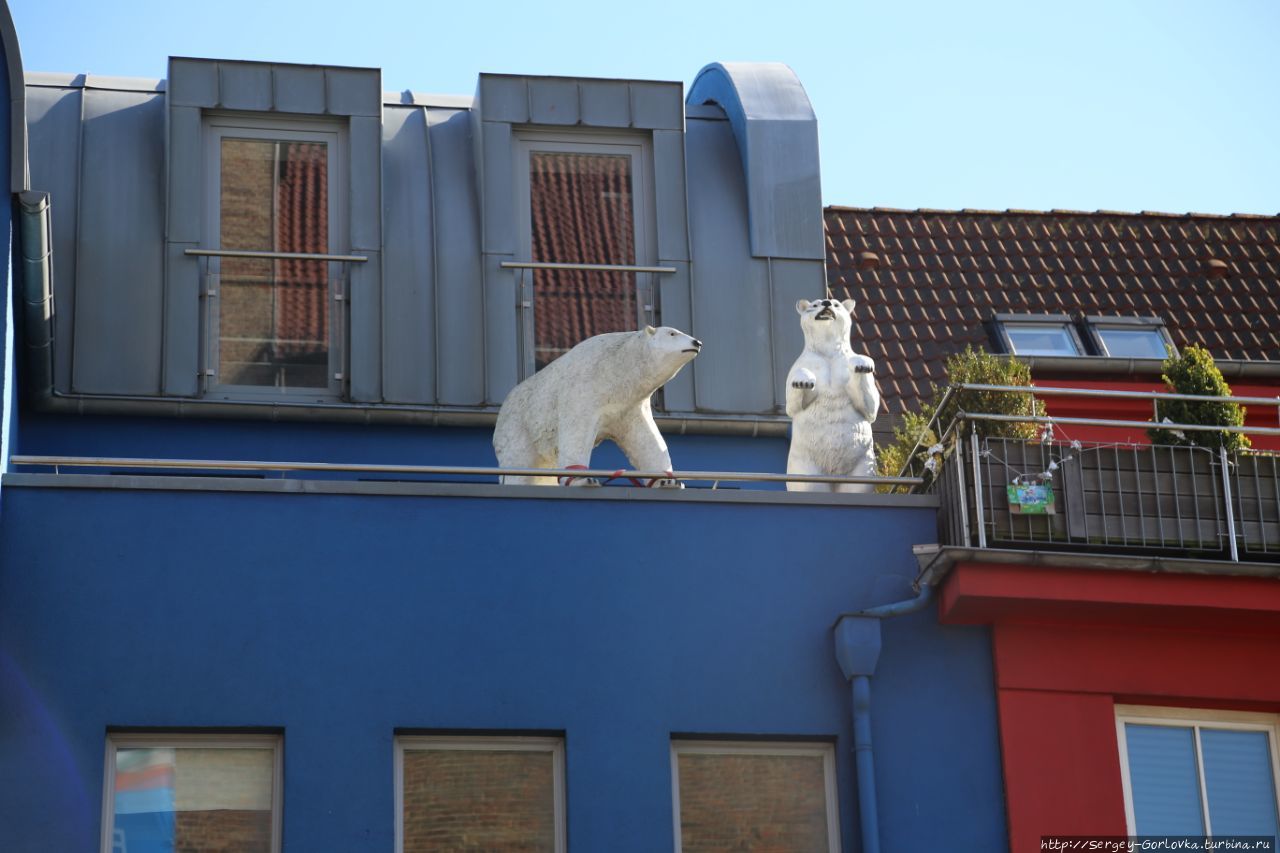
{"x": 695, "y": 347}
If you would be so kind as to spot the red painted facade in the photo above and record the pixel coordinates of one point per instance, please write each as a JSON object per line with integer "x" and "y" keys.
{"x": 1070, "y": 644}
{"x": 1141, "y": 410}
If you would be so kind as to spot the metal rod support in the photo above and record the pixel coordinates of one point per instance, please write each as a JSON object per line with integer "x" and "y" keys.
{"x": 547, "y": 265}
{"x": 978, "y": 509}
{"x": 274, "y": 256}
{"x": 455, "y": 470}
{"x": 1226, "y": 495}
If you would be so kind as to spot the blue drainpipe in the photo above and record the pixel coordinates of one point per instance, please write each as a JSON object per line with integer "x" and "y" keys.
{"x": 857, "y": 638}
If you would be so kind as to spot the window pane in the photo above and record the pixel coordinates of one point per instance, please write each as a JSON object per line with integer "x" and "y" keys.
{"x": 1040, "y": 339}
{"x": 1132, "y": 343}
{"x": 170, "y": 800}
{"x": 471, "y": 799}
{"x": 1240, "y": 786}
{"x": 581, "y": 212}
{"x": 752, "y": 802}
{"x": 1164, "y": 780}
{"x": 274, "y": 315}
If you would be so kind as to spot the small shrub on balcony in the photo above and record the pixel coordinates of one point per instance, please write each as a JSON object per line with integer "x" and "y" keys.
{"x": 1194, "y": 372}
{"x": 969, "y": 367}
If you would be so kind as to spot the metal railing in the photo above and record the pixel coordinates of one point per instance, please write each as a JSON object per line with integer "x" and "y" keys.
{"x": 274, "y": 256}
{"x": 1111, "y": 496}
{"x": 131, "y": 464}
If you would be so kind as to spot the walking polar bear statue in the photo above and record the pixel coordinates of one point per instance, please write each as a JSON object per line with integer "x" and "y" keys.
{"x": 832, "y": 400}
{"x": 599, "y": 389}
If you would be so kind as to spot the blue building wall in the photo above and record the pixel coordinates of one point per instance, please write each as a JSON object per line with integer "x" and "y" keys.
{"x": 340, "y": 619}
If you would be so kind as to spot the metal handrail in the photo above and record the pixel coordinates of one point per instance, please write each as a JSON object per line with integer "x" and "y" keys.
{"x": 457, "y": 470}
{"x": 273, "y": 256}
{"x": 548, "y": 265}
{"x": 1050, "y": 391}
{"x": 1104, "y": 422}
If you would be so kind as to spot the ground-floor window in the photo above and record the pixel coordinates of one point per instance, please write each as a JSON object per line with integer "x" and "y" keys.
{"x": 167, "y": 793}
{"x": 1199, "y": 772}
{"x": 479, "y": 793}
{"x": 748, "y": 795}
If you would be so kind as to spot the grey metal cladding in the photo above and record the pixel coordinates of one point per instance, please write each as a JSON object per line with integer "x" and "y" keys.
{"x": 675, "y": 305}
{"x": 730, "y": 289}
{"x": 502, "y": 97}
{"x": 181, "y": 321}
{"x": 670, "y": 197}
{"x": 501, "y": 329}
{"x": 777, "y": 138}
{"x": 794, "y": 280}
{"x": 460, "y": 374}
{"x": 366, "y": 184}
{"x": 409, "y": 316}
{"x": 186, "y": 187}
{"x": 605, "y": 103}
{"x": 121, "y": 259}
{"x": 365, "y": 356}
{"x": 299, "y": 89}
{"x": 353, "y": 91}
{"x": 193, "y": 82}
{"x": 53, "y": 126}
{"x": 274, "y": 87}
{"x": 498, "y": 187}
{"x": 657, "y": 106}
{"x": 245, "y": 86}
{"x": 553, "y": 101}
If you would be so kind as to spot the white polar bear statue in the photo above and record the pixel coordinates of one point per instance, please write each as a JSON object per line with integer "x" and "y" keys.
{"x": 832, "y": 401}
{"x": 599, "y": 389}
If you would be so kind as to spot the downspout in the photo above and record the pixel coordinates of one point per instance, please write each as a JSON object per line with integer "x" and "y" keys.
{"x": 37, "y": 292}
{"x": 857, "y": 638}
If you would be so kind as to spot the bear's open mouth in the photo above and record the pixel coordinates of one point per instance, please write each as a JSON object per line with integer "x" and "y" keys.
{"x": 825, "y": 314}
{"x": 691, "y": 349}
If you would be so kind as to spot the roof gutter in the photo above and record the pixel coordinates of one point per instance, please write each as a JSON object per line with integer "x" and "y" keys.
{"x": 1145, "y": 368}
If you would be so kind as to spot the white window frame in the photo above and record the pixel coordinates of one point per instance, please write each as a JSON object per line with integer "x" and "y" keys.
{"x": 144, "y": 740}
{"x": 727, "y": 747}
{"x": 639, "y": 148}
{"x": 483, "y": 743}
{"x": 218, "y": 126}
{"x": 1194, "y": 719}
{"x": 1097, "y": 325}
{"x": 1007, "y": 322}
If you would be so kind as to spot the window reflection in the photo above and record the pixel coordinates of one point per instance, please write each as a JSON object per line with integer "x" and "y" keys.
{"x": 274, "y": 314}
{"x": 179, "y": 799}
{"x": 582, "y": 212}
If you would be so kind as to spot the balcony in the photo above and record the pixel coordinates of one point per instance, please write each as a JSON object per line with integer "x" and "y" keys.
{"x": 1053, "y": 495}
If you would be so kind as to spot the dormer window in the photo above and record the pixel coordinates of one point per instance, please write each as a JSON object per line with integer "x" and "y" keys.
{"x": 1022, "y": 334}
{"x": 1130, "y": 337}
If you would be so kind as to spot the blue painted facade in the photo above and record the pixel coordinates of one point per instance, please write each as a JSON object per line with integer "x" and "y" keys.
{"x": 340, "y": 618}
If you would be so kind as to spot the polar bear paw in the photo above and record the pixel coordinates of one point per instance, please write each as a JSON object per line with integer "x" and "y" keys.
{"x": 804, "y": 379}
{"x": 863, "y": 364}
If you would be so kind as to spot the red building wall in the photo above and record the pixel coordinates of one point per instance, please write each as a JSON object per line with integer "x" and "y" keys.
{"x": 1070, "y": 644}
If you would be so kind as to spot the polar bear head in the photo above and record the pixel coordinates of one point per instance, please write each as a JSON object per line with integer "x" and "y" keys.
{"x": 825, "y": 321}
{"x": 671, "y": 348}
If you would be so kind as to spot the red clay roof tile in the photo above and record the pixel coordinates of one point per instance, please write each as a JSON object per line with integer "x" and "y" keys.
{"x": 963, "y": 267}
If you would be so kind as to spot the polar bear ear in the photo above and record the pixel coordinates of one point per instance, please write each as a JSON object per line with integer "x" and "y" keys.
{"x": 650, "y": 330}
{"x": 848, "y": 305}
{"x": 802, "y": 306}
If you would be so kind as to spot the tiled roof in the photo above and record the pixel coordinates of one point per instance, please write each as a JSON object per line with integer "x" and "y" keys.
{"x": 939, "y": 276}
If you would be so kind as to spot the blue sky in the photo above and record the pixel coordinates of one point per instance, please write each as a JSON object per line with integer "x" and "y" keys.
{"x": 1117, "y": 104}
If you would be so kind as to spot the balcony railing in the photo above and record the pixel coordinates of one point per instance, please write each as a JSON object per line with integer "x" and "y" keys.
{"x": 1052, "y": 493}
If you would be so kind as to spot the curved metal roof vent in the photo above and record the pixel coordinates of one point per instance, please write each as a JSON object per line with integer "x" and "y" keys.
{"x": 1216, "y": 268}
{"x": 868, "y": 261}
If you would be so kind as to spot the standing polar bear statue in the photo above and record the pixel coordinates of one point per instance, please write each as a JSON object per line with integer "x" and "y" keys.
{"x": 832, "y": 401}
{"x": 599, "y": 389}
